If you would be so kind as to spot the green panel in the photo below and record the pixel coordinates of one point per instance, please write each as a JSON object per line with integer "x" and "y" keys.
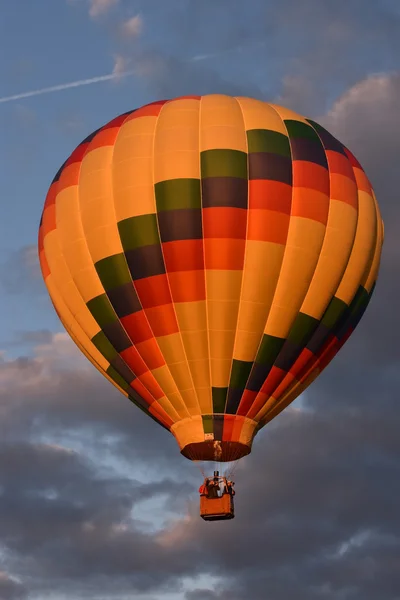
{"x": 207, "y": 423}
{"x": 118, "y": 379}
{"x": 298, "y": 129}
{"x": 102, "y": 310}
{"x": 334, "y": 312}
{"x": 103, "y": 346}
{"x": 269, "y": 349}
{"x": 302, "y": 329}
{"x": 240, "y": 374}
{"x": 264, "y": 140}
{"x": 139, "y": 231}
{"x": 178, "y": 193}
{"x": 359, "y": 302}
{"x": 219, "y": 399}
{"x": 223, "y": 163}
{"x": 113, "y": 271}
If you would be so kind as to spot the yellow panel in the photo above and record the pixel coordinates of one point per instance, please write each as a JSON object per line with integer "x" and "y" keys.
{"x": 104, "y": 242}
{"x": 68, "y": 218}
{"x": 188, "y": 431}
{"x": 94, "y": 172}
{"x": 220, "y": 372}
{"x": 200, "y": 371}
{"x": 132, "y": 169}
{"x": 88, "y": 284}
{"x": 165, "y": 380}
{"x": 301, "y": 255}
{"x": 335, "y": 252}
{"x": 132, "y": 172}
{"x": 87, "y": 322}
{"x": 223, "y": 137}
{"x": 262, "y": 266}
{"x": 250, "y": 329}
{"x": 137, "y": 126}
{"x": 180, "y": 110}
{"x": 191, "y": 401}
{"x": 191, "y": 315}
{"x": 176, "y": 147}
{"x": 171, "y": 347}
{"x": 205, "y": 399}
{"x": 287, "y": 114}
{"x": 221, "y": 344}
{"x": 223, "y": 285}
{"x": 221, "y": 124}
{"x": 96, "y": 204}
{"x": 67, "y": 300}
{"x": 260, "y": 115}
{"x": 176, "y": 165}
{"x": 176, "y": 139}
{"x": 134, "y": 201}
{"x": 61, "y": 275}
{"x": 222, "y": 315}
{"x": 181, "y": 374}
{"x": 263, "y": 261}
{"x": 196, "y": 344}
{"x": 133, "y": 146}
{"x": 247, "y": 344}
{"x": 363, "y": 248}
{"x": 74, "y": 246}
{"x": 172, "y": 406}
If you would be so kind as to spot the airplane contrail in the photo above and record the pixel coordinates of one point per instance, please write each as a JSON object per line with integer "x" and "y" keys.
{"x": 80, "y": 82}
{"x": 65, "y": 86}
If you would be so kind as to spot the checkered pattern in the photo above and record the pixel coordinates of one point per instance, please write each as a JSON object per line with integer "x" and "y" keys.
{"x": 210, "y": 255}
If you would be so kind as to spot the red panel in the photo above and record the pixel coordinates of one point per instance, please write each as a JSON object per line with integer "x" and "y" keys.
{"x": 183, "y": 255}
{"x": 153, "y": 291}
{"x": 271, "y": 195}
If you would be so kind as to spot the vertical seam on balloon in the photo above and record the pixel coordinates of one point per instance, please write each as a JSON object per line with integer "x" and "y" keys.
{"x": 282, "y": 261}
{"x": 205, "y": 266}
{"x": 244, "y": 255}
{"x": 167, "y": 278}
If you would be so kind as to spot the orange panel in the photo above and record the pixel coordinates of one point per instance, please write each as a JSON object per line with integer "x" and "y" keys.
{"x": 187, "y": 286}
{"x": 310, "y": 204}
{"x": 268, "y": 226}
{"x": 224, "y": 254}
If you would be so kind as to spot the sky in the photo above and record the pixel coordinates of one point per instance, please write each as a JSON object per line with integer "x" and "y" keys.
{"x": 95, "y": 500}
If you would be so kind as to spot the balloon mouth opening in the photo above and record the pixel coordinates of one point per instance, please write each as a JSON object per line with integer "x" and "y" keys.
{"x": 216, "y": 450}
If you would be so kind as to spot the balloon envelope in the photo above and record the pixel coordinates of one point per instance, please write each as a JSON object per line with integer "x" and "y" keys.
{"x": 210, "y": 255}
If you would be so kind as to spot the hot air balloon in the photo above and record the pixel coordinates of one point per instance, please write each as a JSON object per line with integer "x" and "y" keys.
{"x": 210, "y": 255}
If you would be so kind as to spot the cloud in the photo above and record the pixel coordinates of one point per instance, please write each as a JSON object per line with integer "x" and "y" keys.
{"x": 10, "y": 589}
{"x": 20, "y": 272}
{"x": 101, "y": 7}
{"x": 122, "y": 66}
{"x": 132, "y": 27}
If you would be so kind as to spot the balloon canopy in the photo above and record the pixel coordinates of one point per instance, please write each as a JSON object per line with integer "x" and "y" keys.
{"x": 210, "y": 256}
